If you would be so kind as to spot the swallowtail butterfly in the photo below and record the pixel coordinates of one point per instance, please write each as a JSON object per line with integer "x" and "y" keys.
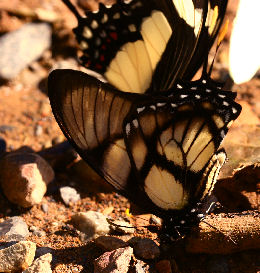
{"x": 133, "y": 43}
{"x": 159, "y": 149}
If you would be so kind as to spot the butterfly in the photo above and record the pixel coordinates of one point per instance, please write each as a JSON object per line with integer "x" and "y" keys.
{"x": 150, "y": 131}
{"x": 133, "y": 43}
{"x": 161, "y": 152}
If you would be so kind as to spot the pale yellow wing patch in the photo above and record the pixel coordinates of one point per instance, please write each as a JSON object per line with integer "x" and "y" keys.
{"x": 189, "y": 14}
{"x": 132, "y": 68}
{"x": 215, "y": 165}
{"x": 164, "y": 190}
{"x": 116, "y": 163}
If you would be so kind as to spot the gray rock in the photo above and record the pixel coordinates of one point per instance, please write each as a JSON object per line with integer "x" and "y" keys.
{"x": 21, "y": 47}
{"x": 17, "y": 257}
{"x": 24, "y": 178}
{"x": 122, "y": 227}
{"x": 14, "y": 229}
{"x": 109, "y": 243}
{"x": 35, "y": 231}
{"x": 146, "y": 248}
{"x": 92, "y": 223}
{"x": 69, "y": 195}
{"x": 41, "y": 265}
{"x": 116, "y": 261}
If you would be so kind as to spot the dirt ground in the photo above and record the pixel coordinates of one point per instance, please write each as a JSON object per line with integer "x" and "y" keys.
{"x": 24, "y": 106}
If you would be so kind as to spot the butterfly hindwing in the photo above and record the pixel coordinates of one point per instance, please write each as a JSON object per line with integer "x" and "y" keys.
{"x": 173, "y": 145}
{"x": 133, "y": 43}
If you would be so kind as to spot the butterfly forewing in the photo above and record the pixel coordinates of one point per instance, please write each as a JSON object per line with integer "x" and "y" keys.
{"x": 133, "y": 43}
{"x": 91, "y": 115}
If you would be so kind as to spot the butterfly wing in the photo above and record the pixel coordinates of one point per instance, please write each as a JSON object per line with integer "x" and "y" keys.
{"x": 90, "y": 114}
{"x": 173, "y": 145}
{"x": 160, "y": 152}
{"x": 146, "y": 45}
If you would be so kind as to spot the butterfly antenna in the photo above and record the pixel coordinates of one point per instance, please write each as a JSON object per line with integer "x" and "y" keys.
{"x": 72, "y": 8}
{"x": 221, "y": 37}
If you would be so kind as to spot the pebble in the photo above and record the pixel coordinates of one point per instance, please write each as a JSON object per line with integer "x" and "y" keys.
{"x": 122, "y": 227}
{"x": 35, "y": 231}
{"x": 24, "y": 178}
{"x": 109, "y": 243}
{"x": 146, "y": 248}
{"x": 38, "y": 130}
{"x": 92, "y": 223}
{"x": 116, "y": 261}
{"x": 45, "y": 207}
{"x": 141, "y": 267}
{"x": 17, "y": 257}
{"x": 41, "y": 265}
{"x": 69, "y": 195}
{"x": 21, "y": 47}
{"x": 14, "y": 228}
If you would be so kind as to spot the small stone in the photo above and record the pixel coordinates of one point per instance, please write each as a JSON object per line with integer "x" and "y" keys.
{"x": 17, "y": 257}
{"x": 109, "y": 243}
{"x": 164, "y": 266}
{"x": 38, "y": 130}
{"x": 69, "y": 195}
{"x": 35, "y": 231}
{"x": 45, "y": 207}
{"x": 41, "y": 265}
{"x": 92, "y": 223}
{"x": 122, "y": 227}
{"x": 146, "y": 249}
{"x": 140, "y": 267}
{"x": 21, "y": 47}
{"x": 116, "y": 261}
{"x": 24, "y": 178}
{"x": 14, "y": 229}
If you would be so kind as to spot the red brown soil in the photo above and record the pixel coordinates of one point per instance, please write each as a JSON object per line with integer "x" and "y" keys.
{"x": 24, "y": 105}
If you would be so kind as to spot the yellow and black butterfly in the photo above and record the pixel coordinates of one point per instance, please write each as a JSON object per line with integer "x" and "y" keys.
{"x": 158, "y": 146}
{"x": 159, "y": 151}
{"x": 146, "y": 45}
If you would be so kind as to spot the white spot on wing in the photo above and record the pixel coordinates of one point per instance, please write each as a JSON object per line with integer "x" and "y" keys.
{"x": 128, "y": 128}
{"x": 87, "y": 33}
{"x": 139, "y": 110}
{"x": 135, "y": 123}
{"x": 160, "y": 104}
